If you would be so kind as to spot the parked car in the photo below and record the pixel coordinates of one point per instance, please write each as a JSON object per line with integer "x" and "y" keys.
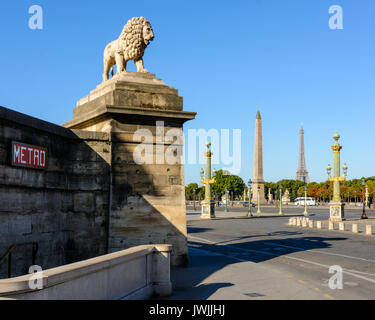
{"x": 301, "y": 201}
{"x": 246, "y": 204}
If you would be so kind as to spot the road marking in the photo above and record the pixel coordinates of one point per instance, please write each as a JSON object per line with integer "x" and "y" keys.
{"x": 317, "y": 289}
{"x": 301, "y": 281}
{"x": 328, "y": 296}
{"x": 350, "y": 284}
{"x": 288, "y": 257}
{"x": 201, "y": 239}
{"x": 224, "y": 255}
{"x": 323, "y": 252}
{"x": 306, "y": 250}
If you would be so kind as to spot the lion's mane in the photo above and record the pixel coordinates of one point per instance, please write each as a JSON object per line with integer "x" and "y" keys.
{"x": 131, "y": 38}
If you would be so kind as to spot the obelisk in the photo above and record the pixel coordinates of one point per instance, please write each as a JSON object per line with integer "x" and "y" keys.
{"x": 258, "y": 182}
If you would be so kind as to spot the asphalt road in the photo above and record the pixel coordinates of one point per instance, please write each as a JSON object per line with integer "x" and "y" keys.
{"x": 267, "y": 259}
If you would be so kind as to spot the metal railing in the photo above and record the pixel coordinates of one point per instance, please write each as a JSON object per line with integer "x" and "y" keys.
{"x": 8, "y": 253}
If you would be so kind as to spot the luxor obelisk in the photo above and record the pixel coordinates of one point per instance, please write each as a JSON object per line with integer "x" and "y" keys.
{"x": 258, "y": 163}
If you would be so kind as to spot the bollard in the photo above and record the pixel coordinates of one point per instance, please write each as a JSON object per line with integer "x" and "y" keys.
{"x": 355, "y": 227}
{"x": 369, "y": 229}
{"x": 311, "y": 224}
{"x": 290, "y": 222}
{"x": 319, "y": 224}
{"x": 298, "y": 222}
{"x": 304, "y": 224}
{"x": 342, "y": 226}
{"x": 331, "y": 226}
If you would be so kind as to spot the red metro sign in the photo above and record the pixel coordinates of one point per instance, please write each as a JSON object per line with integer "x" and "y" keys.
{"x": 25, "y": 155}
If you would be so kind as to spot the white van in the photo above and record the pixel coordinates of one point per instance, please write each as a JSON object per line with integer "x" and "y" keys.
{"x": 301, "y": 201}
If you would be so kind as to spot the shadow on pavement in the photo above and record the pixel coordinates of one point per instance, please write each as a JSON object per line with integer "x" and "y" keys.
{"x": 206, "y": 259}
{"x": 198, "y": 230}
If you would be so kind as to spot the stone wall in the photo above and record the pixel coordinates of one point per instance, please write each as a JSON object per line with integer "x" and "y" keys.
{"x": 93, "y": 197}
{"x": 148, "y": 200}
{"x": 132, "y": 274}
{"x": 63, "y": 208}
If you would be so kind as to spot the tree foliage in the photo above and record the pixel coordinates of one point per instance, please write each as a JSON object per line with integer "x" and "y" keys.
{"x": 233, "y": 183}
{"x": 351, "y": 190}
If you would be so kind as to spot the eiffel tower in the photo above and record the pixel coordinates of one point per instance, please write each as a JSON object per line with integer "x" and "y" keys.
{"x": 302, "y": 174}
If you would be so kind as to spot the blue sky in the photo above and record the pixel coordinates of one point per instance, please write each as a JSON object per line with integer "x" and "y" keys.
{"x": 227, "y": 59}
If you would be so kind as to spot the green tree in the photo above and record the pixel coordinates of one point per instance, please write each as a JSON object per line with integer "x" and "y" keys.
{"x": 189, "y": 190}
{"x": 232, "y": 182}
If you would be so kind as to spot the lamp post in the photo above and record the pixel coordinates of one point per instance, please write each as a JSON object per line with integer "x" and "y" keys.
{"x": 258, "y": 200}
{"x": 347, "y": 197}
{"x": 336, "y": 206}
{"x": 226, "y": 200}
{"x": 194, "y": 190}
{"x": 366, "y": 193}
{"x": 363, "y": 200}
{"x": 280, "y": 200}
{"x": 208, "y": 205}
{"x": 249, "y": 214}
{"x": 305, "y": 212}
{"x": 355, "y": 198}
{"x": 275, "y": 198}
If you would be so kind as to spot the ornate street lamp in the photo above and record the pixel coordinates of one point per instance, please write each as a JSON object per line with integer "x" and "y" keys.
{"x": 280, "y": 200}
{"x": 249, "y": 214}
{"x": 305, "y": 212}
{"x": 208, "y": 205}
{"x": 367, "y": 196}
{"x": 363, "y": 200}
{"x": 336, "y": 206}
{"x": 194, "y": 190}
{"x": 226, "y": 200}
{"x": 258, "y": 200}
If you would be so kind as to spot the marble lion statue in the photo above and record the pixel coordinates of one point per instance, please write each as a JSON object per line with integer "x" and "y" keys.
{"x": 131, "y": 45}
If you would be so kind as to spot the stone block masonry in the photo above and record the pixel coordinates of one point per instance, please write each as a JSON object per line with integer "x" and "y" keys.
{"x": 93, "y": 198}
{"x": 148, "y": 199}
{"x": 64, "y": 208}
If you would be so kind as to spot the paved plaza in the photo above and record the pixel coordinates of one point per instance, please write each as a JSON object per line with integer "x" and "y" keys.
{"x": 233, "y": 257}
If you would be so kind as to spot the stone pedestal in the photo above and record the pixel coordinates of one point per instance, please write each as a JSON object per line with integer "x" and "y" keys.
{"x": 336, "y": 211}
{"x": 286, "y": 197}
{"x": 144, "y": 119}
{"x": 254, "y": 197}
{"x": 207, "y": 209}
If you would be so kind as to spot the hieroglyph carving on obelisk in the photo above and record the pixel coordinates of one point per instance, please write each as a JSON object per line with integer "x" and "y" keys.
{"x": 258, "y": 163}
